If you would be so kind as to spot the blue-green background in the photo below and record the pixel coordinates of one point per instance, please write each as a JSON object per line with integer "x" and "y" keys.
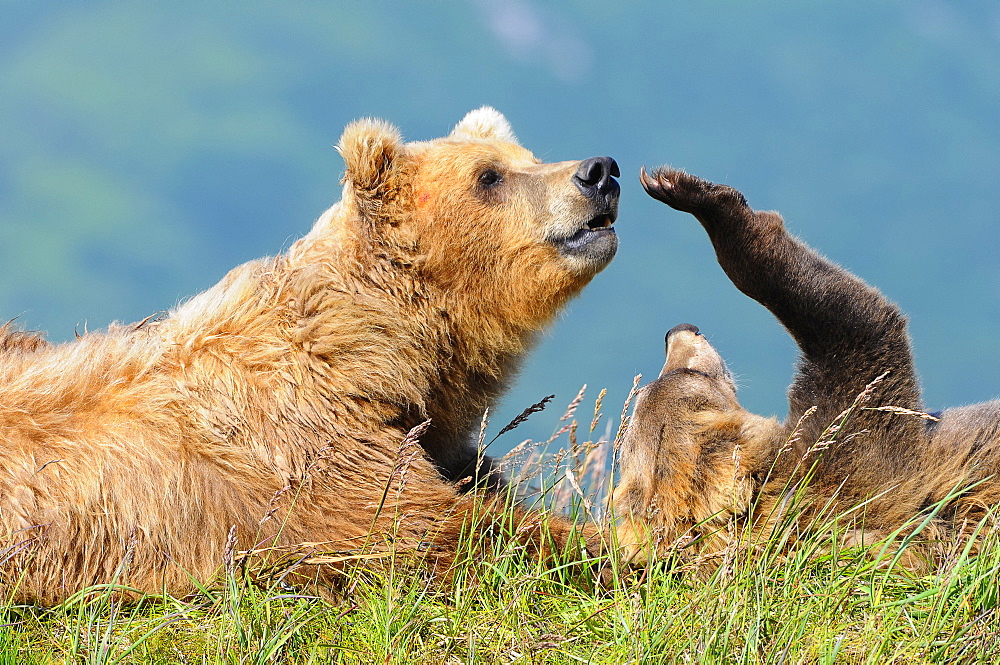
{"x": 147, "y": 148}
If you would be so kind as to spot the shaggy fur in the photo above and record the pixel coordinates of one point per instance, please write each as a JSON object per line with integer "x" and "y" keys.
{"x": 693, "y": 458}
{"x": 273, "y": 409}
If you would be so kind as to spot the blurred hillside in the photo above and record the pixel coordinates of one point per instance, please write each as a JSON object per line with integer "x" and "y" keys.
{"x": 145, "y": 149}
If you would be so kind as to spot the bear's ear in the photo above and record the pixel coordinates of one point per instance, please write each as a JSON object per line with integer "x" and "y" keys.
{"x": 484, "y": 123}
{"x": 375, "y": 157}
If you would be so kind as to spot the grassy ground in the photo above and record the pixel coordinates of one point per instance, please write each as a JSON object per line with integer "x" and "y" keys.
{"x": 756, "y": 605}
{"x": 801, "y": 609}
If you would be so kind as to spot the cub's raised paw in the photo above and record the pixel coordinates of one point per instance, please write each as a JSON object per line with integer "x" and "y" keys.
{"x": 687, "y": 193}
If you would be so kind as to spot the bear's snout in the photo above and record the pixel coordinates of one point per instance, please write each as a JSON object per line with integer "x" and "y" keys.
{"x": 596, "y": 179}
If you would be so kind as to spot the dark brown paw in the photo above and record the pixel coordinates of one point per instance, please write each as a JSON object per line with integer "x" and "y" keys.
{"x": 688, "y": 193}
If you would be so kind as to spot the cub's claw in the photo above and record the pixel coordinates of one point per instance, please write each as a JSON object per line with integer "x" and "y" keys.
{"x": 660, "y": 185}
{"x": 688, "y": 193}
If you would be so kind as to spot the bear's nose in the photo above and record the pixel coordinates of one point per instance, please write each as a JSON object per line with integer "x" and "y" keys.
{"x": 596, "y": 178}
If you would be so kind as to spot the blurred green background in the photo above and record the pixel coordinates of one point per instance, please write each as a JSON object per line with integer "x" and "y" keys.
{"x": 147, "y": 148}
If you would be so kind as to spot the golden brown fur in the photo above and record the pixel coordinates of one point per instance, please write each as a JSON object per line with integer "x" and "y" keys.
{"x": 693, "y": 459}
{"x": 288, "y": 388}
{"x": 14, "y": 340}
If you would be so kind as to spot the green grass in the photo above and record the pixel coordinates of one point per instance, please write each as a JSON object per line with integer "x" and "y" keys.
{"x": 821, "y": 608}
{"x": 764, "y": 604}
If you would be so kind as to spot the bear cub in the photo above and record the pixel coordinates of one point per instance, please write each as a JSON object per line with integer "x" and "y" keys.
{"x": 856, "y": 441}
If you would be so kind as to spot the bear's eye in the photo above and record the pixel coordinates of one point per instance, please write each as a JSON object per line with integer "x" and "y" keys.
{"x": 490, "y": 178}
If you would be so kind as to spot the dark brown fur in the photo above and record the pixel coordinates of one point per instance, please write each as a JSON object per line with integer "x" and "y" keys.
{"x": 849, "y": 335}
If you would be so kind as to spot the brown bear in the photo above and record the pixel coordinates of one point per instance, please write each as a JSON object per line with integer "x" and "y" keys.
{"x": 283, "y": 405}
{"x": 855, "y": 441}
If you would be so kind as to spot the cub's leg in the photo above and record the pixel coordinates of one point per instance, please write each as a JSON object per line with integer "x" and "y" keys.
{"x": 848, "y": 333}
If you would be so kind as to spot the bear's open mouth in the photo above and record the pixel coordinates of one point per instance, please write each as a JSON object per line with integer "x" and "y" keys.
{"x": 601, "y": 222}
{"x": 596, "y": 239}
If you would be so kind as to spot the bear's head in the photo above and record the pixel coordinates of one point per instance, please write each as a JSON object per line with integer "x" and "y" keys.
{"x": 476, "y": 215}
{"x": 690, "y": 453}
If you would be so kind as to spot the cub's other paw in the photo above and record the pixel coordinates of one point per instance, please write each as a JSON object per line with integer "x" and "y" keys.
{"x": 688, "y": 193}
